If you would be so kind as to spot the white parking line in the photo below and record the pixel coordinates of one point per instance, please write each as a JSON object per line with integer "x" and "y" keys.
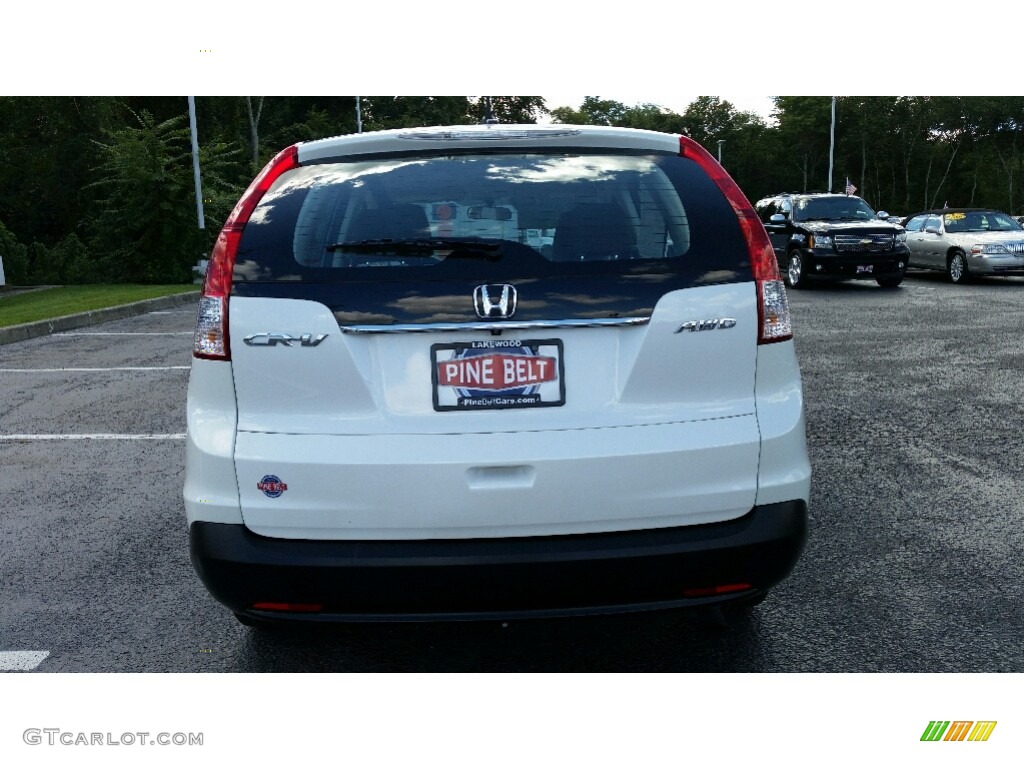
{"x": 94, "y": 370}
{"x": 125, "y": 333}
{"x": 97, "y": 436}
{"x": 21, "y": 661}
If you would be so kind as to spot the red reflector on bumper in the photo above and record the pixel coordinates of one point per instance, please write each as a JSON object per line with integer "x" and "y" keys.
{"x": 720, "y": 589}
{"x": 289, "y": 607}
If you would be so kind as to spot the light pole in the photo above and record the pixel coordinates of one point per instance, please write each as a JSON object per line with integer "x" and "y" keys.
{"x": 832, "y": 145}
{"x": 720, "y": 143}
{"x": 195, "y": 159}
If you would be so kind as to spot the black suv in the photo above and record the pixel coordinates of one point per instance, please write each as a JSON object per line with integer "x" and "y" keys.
{"x": 832, "y": 235}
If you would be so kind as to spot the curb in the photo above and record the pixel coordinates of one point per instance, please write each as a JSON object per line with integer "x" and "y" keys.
{"x": 26, "y": 331}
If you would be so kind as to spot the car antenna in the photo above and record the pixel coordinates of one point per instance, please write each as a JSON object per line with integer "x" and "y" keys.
{"x": 489, "y": 118}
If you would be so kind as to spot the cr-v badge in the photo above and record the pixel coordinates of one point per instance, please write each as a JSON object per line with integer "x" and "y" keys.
{"x": 273, "y": 339}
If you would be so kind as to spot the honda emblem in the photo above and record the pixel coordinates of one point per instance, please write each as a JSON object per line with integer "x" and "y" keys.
{"x": 495, "y": 301}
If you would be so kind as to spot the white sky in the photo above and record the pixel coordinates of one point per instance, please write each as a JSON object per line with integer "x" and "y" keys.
{"x": 650, "y": 52}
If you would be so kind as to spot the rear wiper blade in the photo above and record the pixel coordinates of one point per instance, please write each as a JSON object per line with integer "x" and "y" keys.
{"x": 458, "y": 249}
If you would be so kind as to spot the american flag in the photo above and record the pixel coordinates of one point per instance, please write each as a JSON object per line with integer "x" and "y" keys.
{"x": 850, "y": 189}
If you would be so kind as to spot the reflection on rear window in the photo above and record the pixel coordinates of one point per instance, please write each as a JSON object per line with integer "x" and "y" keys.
{"x": 547, "y": 210}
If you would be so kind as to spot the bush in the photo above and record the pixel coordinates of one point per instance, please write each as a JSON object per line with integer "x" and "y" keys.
{"x": 67, "y": 263}
{"x": 41, "y": 268}
{"x": 73, "y": 263}
{"x": 79, "y": 265}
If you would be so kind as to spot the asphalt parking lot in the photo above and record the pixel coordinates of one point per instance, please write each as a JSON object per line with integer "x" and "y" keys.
{"x": 914, "y": 403}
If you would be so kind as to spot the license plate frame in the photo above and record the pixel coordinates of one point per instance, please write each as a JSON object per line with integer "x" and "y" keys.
{"x": 498, "y": 374}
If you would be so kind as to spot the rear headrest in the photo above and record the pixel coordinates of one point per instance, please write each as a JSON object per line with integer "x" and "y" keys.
{"x": 595, "y": 232}
{"x": 396, "y": 222}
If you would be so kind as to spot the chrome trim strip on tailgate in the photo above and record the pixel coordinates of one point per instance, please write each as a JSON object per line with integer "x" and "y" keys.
{"x": 495, "y": 326}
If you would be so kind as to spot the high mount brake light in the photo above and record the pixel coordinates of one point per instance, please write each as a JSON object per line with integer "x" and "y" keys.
{"x": 774, "y": 320}
{"x": 211, "y": 337}
{"x": 489, "y": 133}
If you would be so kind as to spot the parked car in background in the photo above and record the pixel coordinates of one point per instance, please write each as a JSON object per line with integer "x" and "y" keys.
{"x": 963, "y": 242}
{"x": 406, "y": 403}
{"x": 818, "y": 235}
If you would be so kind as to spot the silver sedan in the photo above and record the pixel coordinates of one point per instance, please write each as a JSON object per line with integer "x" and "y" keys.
{"x": 963, "y": 242}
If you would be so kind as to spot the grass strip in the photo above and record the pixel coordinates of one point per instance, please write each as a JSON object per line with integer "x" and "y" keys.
{"x": 46, "y": 304}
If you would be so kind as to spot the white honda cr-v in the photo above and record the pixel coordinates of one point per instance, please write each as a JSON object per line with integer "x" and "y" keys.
{"x": 402, "y": 406}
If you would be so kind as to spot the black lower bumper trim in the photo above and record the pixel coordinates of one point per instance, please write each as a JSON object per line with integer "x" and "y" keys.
{"x": 849, "y": 265}
{"x": 492, "y": 578}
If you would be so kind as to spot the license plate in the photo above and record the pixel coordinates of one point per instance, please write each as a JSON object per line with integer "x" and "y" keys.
{"x": 865, "y": 269}
{"x": 499, "y": 373}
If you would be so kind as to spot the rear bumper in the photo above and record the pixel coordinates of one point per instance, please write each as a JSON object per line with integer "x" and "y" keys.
{"x": 500, "y": 578}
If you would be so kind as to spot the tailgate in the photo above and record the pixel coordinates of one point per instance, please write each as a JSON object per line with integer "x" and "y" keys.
{"x": 461, "y": 433}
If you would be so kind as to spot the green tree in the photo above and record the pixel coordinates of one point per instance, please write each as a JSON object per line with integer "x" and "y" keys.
{"x": 709, "y": 118}
{"x": 750, "y": 153}
{"x": 593, "y": 111}
{"x": 1003, "y": 121}
{"x": 43, "y": 270}
{"x": 804, "y": 124}
{"x": 508, "y": 109}
{"x": 382, "y": 112}
{"x": 912, "y": 116}
{"x": 254, "y": 112}
{"x": 652, "y": 117}
{"x": 568, "y": 116}
{"x": 596, "y": 111}
{"x": 78, "y": 264}
{"x": 46, "y": 160}
{"x": 146, "y": 228}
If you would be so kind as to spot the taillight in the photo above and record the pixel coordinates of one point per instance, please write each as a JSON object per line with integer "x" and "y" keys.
{"x": 211, "y": 337}
{"x": 774, "y": 320}
{"x": 718, "y": 589}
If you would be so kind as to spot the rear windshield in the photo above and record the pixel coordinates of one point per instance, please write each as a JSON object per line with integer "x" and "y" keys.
{"x": 516, "y": 215}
